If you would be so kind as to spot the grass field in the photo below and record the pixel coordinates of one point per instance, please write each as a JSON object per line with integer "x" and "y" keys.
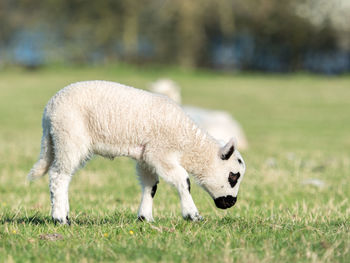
{"x": 298, "y": 127}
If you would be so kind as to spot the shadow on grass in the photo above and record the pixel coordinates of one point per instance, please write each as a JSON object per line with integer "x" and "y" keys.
{"x": 82, "y": 219}
{"x": 118, "y": 217}
{"x": 239, "y": 224}
{"x": 34, "y": 220}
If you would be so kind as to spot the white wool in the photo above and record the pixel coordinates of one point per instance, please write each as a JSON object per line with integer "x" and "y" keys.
{"x": 219, "y": 124}
{"x": 111, "y": 119}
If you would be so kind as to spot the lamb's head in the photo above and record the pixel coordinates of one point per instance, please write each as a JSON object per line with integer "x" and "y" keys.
{"x": 227, "y": 174}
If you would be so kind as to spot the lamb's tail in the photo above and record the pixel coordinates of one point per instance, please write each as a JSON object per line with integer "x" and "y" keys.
{"x": 41, "y": 167}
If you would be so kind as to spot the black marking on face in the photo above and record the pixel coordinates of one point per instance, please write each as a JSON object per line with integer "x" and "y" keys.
{"x": 154, "y": 190}
{"x": 227, "y": 155}
{"x": 224, "y": 202}
{"x": 233, "y": 178}
{"x": 240, "y": 161}
{"x": 141, "y": 218}
{"x": 188, "y": 185}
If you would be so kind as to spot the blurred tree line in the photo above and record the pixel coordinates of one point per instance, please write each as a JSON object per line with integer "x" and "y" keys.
{"x": 270, "y": 35}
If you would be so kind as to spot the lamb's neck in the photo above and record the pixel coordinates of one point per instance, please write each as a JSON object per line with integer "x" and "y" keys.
{"x": 200, "y": 153}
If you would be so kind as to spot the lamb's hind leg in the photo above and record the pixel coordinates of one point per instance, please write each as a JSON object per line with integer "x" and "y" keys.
{"x": 59, "y": 184}
{"x": 149, "y": 181}
{"x": 68, "y": 157}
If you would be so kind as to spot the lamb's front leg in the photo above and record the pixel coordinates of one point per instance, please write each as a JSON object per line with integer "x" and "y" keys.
{"x": 188, "y": 208}
{"x": 149, "y": 181}
{"x": 178, "y": 177}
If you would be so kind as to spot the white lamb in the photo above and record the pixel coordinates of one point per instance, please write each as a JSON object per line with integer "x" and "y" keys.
{"x": 219, "y": 124}
{"x": 110, "y": 119}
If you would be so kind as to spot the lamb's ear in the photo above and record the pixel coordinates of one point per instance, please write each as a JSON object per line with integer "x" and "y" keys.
{"x": 226, "y": 151}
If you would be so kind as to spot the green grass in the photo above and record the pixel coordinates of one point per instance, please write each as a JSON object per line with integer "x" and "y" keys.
{"x": 297, "y": 126}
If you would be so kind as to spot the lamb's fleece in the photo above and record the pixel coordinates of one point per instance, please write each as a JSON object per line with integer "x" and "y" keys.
{"x": 111, "y": 119}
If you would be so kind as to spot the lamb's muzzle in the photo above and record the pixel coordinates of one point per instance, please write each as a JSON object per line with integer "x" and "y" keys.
{"x": 225, "y": 202}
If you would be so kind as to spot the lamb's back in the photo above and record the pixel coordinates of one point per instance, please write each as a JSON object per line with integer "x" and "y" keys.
{"x": 115, "y": 113}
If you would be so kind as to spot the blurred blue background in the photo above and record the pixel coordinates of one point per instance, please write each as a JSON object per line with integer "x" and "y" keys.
{"x": 243, "y": 35}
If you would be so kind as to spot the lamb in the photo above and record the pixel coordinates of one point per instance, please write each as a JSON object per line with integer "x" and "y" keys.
{"x": 219, "y": 124}
{"x": 111, "y": 119}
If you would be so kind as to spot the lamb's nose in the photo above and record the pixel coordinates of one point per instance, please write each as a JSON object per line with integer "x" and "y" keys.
{"x": 224, "y": 202}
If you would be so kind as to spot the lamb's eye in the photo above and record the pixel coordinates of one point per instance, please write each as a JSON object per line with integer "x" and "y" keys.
{"x": 233, "y": 178}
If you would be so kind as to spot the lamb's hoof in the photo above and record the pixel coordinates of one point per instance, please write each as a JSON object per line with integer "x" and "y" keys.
{"x": 195, "y": 217}
{"x": 144, "y": 219}
{"x": 65, "y": 221}
{"x": 141, "y": 218}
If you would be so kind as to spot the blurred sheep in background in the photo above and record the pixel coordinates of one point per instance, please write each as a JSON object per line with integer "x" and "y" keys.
{"x": 219, "y": 124}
